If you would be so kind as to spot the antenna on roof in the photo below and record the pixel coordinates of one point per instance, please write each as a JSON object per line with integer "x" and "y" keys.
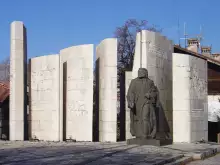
{"x": 178, "y": 30}
{"x": 200, "y": 37}
{"x": 185, "y": 34}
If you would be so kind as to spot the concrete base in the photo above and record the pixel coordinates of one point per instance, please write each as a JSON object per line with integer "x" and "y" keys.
{"x": 154, "y": 142}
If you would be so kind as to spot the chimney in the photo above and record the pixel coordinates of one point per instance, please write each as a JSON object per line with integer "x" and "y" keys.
{"x": 193, "y": 44}
{"x": 216, "y": 56}
{"x": 206, "y": 50}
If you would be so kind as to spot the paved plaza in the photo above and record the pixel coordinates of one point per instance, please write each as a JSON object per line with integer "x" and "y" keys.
{"x": 96, "y": 153}
{"x": 35, "y": 153}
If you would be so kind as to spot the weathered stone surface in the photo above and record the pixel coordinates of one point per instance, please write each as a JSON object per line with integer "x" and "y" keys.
{"x": 76, "y": 68}
{"x": 153, "y": 142}
{"x": 44, "y": 100}
{"x": 190, "y": 113}
{"x": 106, "y": 55}
{"x": 18, "y": 82}
{"x": 157, "y": 59}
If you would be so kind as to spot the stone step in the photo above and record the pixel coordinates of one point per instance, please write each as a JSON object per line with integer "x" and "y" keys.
{"x": 160, "y": 162}
{"x": 181, "y": 161}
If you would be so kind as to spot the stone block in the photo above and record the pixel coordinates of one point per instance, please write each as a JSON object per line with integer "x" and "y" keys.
{"x": 16, "y": 126}
{"x": 108, "y": 116}
{"x": 181, "y": 61}
{"x": 197, "y": 125}
{"x": 190, "y": 95}
{"x": 108, "y": 126}
{"x": 18, "y": 82}
{"x": 106, "y": 55}
{"x": 44, "y": 100}
{"x": 17, "y": 30}
{"x": 198, "y": 135}
{"x": 77, "y": 85}
{"x": 107, "y": 136}
{"x": 184, "y": 91}
{"x": 181, "y": 104}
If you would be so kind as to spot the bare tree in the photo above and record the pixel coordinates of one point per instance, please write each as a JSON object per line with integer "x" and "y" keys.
{"x": 126, "y": 35}
{"x": 5, "y": 69}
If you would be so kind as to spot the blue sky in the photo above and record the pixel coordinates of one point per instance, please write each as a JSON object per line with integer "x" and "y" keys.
{"x": 56, "y": 24}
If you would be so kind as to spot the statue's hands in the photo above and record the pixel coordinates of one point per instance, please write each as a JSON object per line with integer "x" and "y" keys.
{"x": 130, "y": 105}
{"x": 147, "y": 95}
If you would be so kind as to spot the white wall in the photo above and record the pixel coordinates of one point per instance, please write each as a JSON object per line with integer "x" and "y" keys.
{"x": 79, "y": 91}
{"x": 44, "y": 100}
{"x": 190, "y": 116}
{"x": 106, "y": 52}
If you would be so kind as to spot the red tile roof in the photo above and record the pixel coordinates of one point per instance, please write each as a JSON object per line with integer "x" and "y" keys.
{"x": 4, "y": 91}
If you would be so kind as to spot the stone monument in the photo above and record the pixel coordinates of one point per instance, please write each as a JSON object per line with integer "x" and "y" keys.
{"x": 106, "y": 59}
{"x": 142, "y": 98}
{"x": 154, "y": 52}
{"x": 44, "y": 98}
{"x": 190, "y": 111}
{"x": 18, "y": 82}
{"x": 76, "y": 93}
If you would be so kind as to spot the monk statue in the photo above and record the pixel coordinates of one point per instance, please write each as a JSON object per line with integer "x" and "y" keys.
{"x": 142, "y": 98}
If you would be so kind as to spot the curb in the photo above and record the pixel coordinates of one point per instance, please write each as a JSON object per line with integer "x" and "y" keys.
{"x": 162, "y": 162}
{"x": 174, "y": 158}
{"x": 181, "y": 161}
{"x": 203, "y": 155}
{"x": 193, "y": 156}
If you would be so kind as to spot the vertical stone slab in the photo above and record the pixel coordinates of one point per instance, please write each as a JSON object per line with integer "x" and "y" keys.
{"x": 199, "y": 99}
{"x": 128, "y": 78}
{"x": 190, "y": 116}
{"x": 18, "y": 82}
{"x": 157, "y": 59}
{"x": 78, "y": 98}
{"x": 44, "y": 98}
{"x": 106, "y": 53}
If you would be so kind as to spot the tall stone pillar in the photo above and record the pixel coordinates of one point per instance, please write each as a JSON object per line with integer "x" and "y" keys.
{"x": 18, "y": 82}
{"x": 106, "y": 54}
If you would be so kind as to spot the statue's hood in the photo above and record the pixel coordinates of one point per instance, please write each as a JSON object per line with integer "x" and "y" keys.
{"x": 142, "y": 73}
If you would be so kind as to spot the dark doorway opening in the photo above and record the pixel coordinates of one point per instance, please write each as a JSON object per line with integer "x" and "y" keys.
{"x": 64, "y": 99}
{"x": 4, "y": 119}
{"x": 96, "y": 102}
